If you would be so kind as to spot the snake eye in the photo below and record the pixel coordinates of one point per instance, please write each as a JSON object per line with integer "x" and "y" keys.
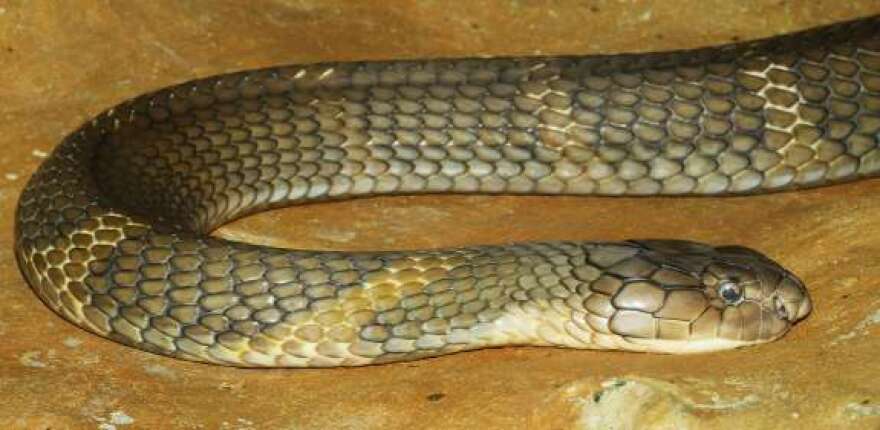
{"x": 730, "y": 292}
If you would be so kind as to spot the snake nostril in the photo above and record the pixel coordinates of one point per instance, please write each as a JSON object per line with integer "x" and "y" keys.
{"x": 781, "y": 309}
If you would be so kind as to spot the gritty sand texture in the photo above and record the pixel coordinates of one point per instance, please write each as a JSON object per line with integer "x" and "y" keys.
{"x": 62, "y": 62}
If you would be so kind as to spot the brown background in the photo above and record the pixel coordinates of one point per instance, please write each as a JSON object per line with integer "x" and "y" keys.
{"x": 64, "y": 61}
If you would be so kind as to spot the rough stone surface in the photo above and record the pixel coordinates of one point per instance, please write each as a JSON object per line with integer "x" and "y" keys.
{"x": 60, "y": 64}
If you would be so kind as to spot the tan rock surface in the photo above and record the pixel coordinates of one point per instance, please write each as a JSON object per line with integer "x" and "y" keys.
{"x": 62, "y": 62}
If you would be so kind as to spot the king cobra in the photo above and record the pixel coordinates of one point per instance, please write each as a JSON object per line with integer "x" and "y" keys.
{"x": 113, "y": 230}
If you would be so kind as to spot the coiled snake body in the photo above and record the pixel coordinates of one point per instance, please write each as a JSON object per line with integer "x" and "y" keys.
{"x": 112, "y": 230}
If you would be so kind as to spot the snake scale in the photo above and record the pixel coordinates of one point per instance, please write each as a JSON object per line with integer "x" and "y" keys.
{"x": 112, "y": 231}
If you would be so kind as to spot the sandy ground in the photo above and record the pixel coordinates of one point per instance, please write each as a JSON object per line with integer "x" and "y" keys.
{"x": 62, "y": 62}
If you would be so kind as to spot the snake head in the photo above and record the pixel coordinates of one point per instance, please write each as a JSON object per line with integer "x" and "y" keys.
{"x": 696, "y": 298}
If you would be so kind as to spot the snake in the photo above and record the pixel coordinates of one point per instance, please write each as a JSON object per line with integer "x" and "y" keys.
{"x": 113, "y": 231}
